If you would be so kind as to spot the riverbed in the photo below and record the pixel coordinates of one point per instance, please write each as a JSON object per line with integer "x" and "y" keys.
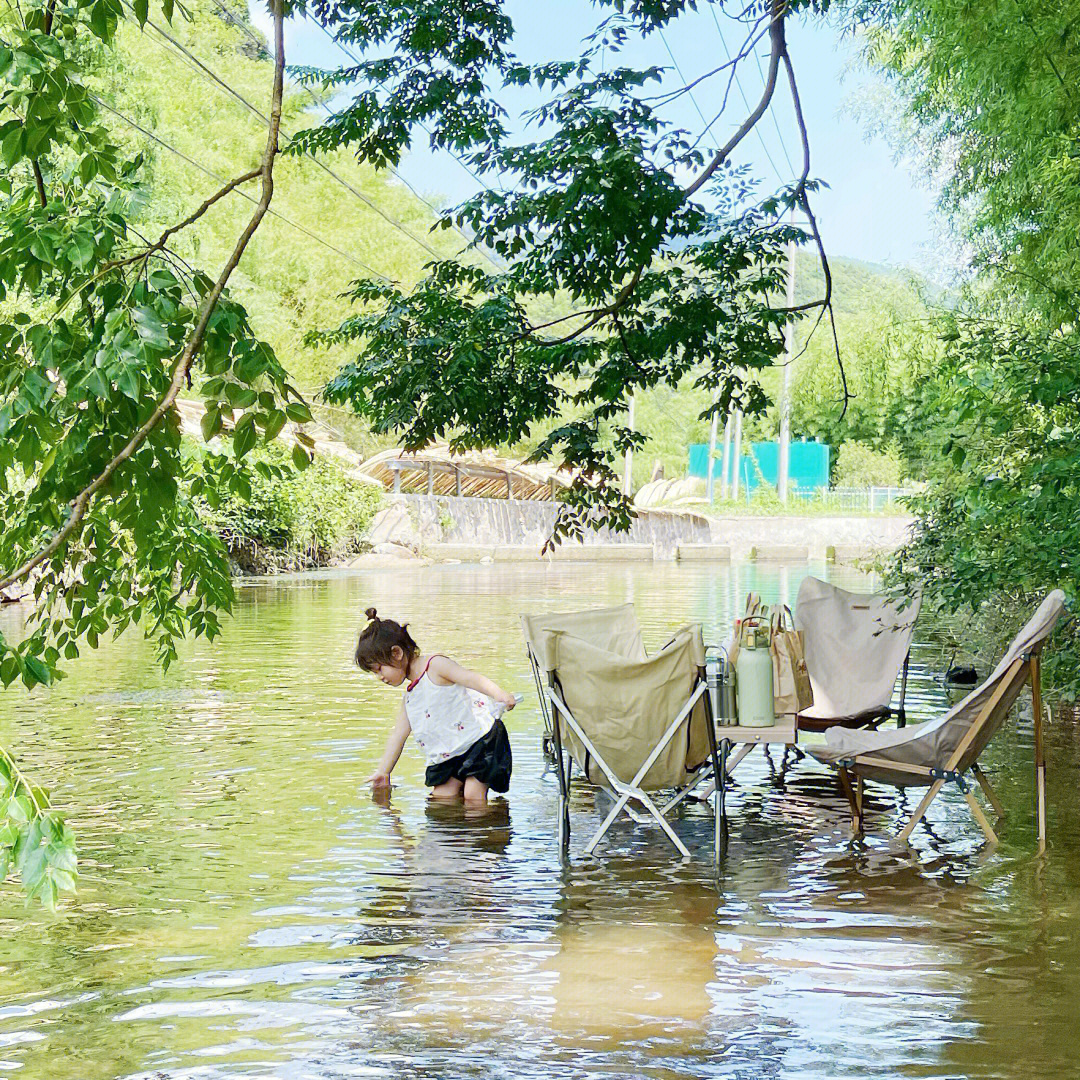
{"x": 246, "y": 909}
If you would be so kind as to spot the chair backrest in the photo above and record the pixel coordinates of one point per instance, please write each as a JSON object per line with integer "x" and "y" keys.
{"x": 1005, "y": 682}
{"x": 624, "y": 704}
{"x": 855, "y": 646}
{"x": 968, "y": 727}
{"x": 613, "y": 629}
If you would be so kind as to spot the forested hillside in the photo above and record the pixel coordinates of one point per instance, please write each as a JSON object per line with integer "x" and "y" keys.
{"x": 322, "y": 233}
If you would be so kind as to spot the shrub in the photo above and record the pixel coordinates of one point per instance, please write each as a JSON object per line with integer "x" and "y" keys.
{"x": 291, "y": 519}
{"x": 860, "y": 465}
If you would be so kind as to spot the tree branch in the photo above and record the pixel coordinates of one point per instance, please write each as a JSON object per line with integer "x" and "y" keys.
{"x": 747, "y": 48}
{"x": 159, "y": 244}
{"x": 39, "y": 183}
{"x": 81, "y": 503}
{"x": 39, "y": 180}
{"x": 777, "y": 51}
{"x": 189, "y": 220}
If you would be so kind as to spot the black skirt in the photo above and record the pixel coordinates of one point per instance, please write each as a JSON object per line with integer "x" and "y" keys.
{"x": 488, "y": 759}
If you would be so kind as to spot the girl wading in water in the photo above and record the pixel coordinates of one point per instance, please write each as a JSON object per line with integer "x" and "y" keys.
{"x": 446, "y": 709}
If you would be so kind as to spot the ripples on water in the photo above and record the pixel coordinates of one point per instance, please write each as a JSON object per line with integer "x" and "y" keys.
{"x": 246, "y": 910}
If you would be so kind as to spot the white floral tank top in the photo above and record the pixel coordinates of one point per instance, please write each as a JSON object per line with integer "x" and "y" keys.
{"x": 445, "y": 720}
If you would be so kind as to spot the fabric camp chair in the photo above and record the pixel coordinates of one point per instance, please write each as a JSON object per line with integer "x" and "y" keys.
{"x": 632, "y": 723}
{"x": 942, "y": 751}
{"x": 857, "y": 645}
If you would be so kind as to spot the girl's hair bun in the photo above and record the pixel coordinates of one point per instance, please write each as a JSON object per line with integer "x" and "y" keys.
{"x": 379, "y": 639}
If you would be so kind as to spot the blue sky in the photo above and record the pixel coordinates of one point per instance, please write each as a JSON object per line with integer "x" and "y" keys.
{"x": 875, "y": 208}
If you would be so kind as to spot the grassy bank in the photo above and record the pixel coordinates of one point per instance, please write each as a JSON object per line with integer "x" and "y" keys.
{"x": 293, "y": 521}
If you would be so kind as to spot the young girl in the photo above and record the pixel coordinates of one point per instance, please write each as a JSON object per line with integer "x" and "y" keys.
{"x": 467, "y": 750}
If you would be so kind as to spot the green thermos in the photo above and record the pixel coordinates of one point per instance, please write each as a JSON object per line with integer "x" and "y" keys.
{"x": 754, "y": 677}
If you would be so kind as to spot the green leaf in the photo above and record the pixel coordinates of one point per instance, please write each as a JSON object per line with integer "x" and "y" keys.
{"x": 36, "y": 672}
{"x": 300, "y": 457}
{"x": 130, "y": 383}
{"x": 298, "y": 412}
{"x": 12, "y": 147}
{"x": 240, "y": 397}
{"x": 210, "y": 424}
{"x": 275, "y": 421}
{"x": 98, "y": 384}
{"x": 244, "y": 438}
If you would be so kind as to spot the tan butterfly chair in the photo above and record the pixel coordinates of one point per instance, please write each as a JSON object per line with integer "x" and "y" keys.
{"x": 857, "y": 645}
{"x": 944, "y": 750}
{"x": 632, "y": 723}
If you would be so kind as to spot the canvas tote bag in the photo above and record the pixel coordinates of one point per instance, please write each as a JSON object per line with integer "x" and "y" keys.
{"x": 791, "y": 681}
{"x": 754, "y": 610}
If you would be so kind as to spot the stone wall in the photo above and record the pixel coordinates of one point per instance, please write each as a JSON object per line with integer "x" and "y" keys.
{"x": 485, "y": 523}
{"x": 817, "y": 537}
{"x": 448, "y": 527}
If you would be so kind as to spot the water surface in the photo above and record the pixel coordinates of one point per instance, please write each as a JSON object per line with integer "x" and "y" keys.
{"x": 246, "y": 910}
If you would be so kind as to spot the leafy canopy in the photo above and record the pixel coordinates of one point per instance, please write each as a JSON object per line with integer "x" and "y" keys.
{"x": 656, "y": 282}
{"x": 99, "y": 328}
{"x": 989, "y": 94}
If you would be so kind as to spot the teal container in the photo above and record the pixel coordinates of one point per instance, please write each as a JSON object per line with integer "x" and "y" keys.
{"x": 754, "y": 682}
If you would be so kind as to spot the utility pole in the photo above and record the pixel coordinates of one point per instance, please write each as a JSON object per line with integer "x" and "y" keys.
{"x": 712, "y": 458}
{"x": 627, "y": 485}
{"x": 737, "y": 455}
{"x": 783, "y": 465}
{"x": 725, "y": 463}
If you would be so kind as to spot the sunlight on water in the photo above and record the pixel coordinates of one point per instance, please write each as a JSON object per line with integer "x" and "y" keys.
{"x": 246, "y": 910}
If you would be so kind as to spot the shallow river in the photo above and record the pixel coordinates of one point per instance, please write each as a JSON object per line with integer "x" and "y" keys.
{"x": 246, "y": 910}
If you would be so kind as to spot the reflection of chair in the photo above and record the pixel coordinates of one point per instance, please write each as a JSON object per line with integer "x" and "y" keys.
{"x": 856, "y": 646}
{"x": 943, "y": 750}
{"x": 634, "y": 724}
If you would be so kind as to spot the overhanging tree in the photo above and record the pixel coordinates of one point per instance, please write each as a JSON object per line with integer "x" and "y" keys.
{"x": 100, "y": 330}
{"x": 592, "y": 218}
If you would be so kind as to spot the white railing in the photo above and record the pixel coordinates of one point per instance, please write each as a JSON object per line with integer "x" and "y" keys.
{"x": 865, "y": 499}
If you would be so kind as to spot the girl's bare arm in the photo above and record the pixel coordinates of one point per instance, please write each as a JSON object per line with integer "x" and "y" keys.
{"x": 448, "y": 672}
{"x": 395, "y": 743}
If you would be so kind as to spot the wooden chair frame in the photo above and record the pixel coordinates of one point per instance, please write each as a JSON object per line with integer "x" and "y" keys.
{"x": 1023, "y": 669}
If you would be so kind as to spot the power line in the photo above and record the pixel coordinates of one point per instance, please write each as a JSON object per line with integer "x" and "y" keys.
{"x": 679, "y": 72}
{"x": 214, "y": 77}
{"x": 746, "y": 102}
{"x": 221, "y": 180}
{"x": 241, "y": 25}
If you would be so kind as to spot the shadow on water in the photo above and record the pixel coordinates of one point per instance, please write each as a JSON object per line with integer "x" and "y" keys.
{"x": 249, "y": 911}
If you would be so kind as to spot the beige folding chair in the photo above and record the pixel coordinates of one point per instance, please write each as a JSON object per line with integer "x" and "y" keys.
{"x": 942, "y": 751}
{"x": 857, "y": 645}
{"x": 613, "y": 628}
{"x": 633, "y": 724}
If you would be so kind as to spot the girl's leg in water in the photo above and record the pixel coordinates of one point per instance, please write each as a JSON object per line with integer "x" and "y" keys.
{"x": 475, "y": 792}
{"x": 450, "y": 790}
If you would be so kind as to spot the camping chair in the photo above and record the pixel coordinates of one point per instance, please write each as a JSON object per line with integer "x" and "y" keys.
{"x": 632, "y": 723}
{"x": 941, "y": 751}
{"x": 613, "y": 628}
{"x": 857, "y": 644}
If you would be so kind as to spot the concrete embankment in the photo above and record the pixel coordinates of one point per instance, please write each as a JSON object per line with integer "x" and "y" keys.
{"x": 503, "y": 530}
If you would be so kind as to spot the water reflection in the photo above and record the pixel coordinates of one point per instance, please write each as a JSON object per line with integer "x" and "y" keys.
{"x": 249, "y": 911}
